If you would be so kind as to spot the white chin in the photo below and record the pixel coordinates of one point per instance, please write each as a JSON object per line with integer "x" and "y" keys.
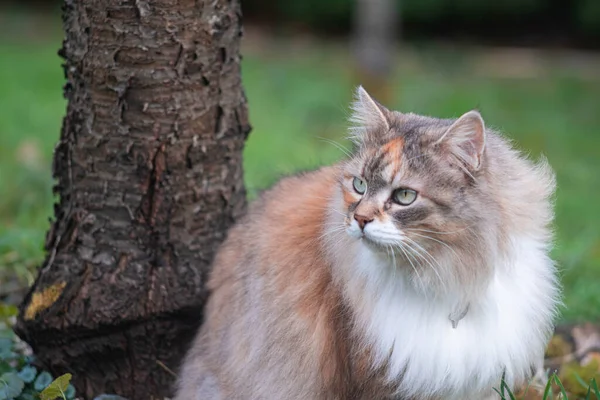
{"x": 354, "y": 233}
{"x": 373, "y": 242}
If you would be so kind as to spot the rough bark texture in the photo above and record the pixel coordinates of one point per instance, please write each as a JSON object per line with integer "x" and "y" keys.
{"x": 149, "y": 172}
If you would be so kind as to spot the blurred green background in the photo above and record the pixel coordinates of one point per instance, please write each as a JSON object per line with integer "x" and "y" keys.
{"x": 572, "y": 23}
{"x": 538, "y": 83}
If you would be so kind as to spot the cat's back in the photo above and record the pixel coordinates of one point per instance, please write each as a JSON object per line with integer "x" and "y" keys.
{"x": 271, "y": 275}
{"x": 282, "y": 227}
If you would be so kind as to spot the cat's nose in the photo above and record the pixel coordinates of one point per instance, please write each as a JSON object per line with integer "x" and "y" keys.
{"x": 362, "y": 220}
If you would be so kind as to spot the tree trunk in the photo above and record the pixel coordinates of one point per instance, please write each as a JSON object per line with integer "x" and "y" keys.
{"x": 149, "y": 173}
{"x": 375, "y": 28}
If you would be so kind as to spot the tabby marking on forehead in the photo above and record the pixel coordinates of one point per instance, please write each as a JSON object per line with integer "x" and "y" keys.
{"x": 392, "y": 151}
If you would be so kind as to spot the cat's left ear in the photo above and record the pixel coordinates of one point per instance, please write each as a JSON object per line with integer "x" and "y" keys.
{"x": 466, "y": 139}
{"x": 367, "y": 115}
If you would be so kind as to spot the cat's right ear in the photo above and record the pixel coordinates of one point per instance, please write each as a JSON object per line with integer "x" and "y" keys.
{"x": 465, "y": 140}
{"x": 367, "y": 116}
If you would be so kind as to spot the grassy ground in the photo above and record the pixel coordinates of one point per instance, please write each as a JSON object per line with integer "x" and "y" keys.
{"x": 298, "y": 94}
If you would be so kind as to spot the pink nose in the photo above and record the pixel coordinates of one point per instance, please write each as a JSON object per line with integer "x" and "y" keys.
{"x": 362, "y": 220}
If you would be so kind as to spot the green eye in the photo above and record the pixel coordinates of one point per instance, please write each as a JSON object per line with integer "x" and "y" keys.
{"x": 359, "y": 185}
{"x": 404, "y": 196}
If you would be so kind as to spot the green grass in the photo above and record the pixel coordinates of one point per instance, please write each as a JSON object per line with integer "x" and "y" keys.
{"x": 30, "y": 116}
{"x": 298, "y": 95}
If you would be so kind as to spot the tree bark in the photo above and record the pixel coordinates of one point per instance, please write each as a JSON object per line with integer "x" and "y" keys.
{"x": 149, "y": 173}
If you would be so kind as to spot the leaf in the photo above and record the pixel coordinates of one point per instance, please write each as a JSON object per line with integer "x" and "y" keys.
{"x": 70, "y": 392}
{"x": 560, "y": 385}
{"x": 500, "y": 394}
{"x": 503, "y": 387}
{"x": 42, "y": 381}
{"x": 548, "y": 390}
{"x": 28, "y": 394}
{"x": 8, "y": 311}
{"x": 109, "y": 397}
{"x": 5, "y": 367}
{"x": 589, "y": 392}
{"x": 594, "y": 386}
{"x": 6, "y": 346}
{"x": 6, "y": 333}
{"x": 10, "y": 386}
{"x": 581, "y": 381}
{"x": 57, "y": 388}
{"x": 28, "y": 373}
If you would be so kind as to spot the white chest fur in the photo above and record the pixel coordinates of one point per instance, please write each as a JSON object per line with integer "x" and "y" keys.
{"x": 505, "y": 329}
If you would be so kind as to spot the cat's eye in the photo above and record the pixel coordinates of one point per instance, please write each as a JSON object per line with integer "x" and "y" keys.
{"x": 404, "y": 197}
{"x": 359, "y": 185}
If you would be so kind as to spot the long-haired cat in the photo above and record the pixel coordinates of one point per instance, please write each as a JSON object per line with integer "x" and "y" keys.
{"x": 416, "y": 269}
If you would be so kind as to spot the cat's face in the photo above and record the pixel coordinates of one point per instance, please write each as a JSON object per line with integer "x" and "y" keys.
{"x": 403, "y": 199}
{"x": 387, "y": 200}
{"x": 409, "y": 190}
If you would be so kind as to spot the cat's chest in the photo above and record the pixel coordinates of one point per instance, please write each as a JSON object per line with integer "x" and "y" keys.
{"x": 420, "y": 341}
{"x": 505, "y": 330}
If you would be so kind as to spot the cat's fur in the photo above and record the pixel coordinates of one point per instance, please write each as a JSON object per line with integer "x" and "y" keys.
{"x": 434, "y": 300}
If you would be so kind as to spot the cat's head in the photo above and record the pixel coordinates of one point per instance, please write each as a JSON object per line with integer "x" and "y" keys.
{"x": 415, "y": 190}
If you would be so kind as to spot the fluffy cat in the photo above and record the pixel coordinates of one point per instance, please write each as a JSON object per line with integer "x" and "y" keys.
{"x": 416, "y": 269}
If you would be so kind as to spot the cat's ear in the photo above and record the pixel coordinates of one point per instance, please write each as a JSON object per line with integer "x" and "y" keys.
{"x": 465, "y": 139}
{"x": 367, "y": 115}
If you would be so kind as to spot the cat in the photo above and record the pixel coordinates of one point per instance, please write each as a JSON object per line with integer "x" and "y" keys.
{"x": 418, "y": 268}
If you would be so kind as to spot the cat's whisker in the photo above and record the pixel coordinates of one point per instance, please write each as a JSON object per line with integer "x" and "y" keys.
{"x": 331, "y": 243}
{"x": 338, "y": 212}
{"x": 333, "y": 237}
{"x": 408, "y": 257}
{"x": 326, "y": 206}
{"x": 328, "y": 236}
{"x": 331, "y": 209}
{"x": 343, "y": 149}
{"x": 391, "y": 254}
{"x": 392, "y": 239}
{"x": 436, "y": 232}
{"x": 322, "y": 209}
{"x": 320, "y": 197}
{"x": 438, "y": 241}
{"x": 335, "y": 245}
{"x": 423, "y": 250}
{"x": 416, "y": 253}
{"x": 331, "y": 232}
{"x": 387, "y": 251}
{"x": 394, "y": 272}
